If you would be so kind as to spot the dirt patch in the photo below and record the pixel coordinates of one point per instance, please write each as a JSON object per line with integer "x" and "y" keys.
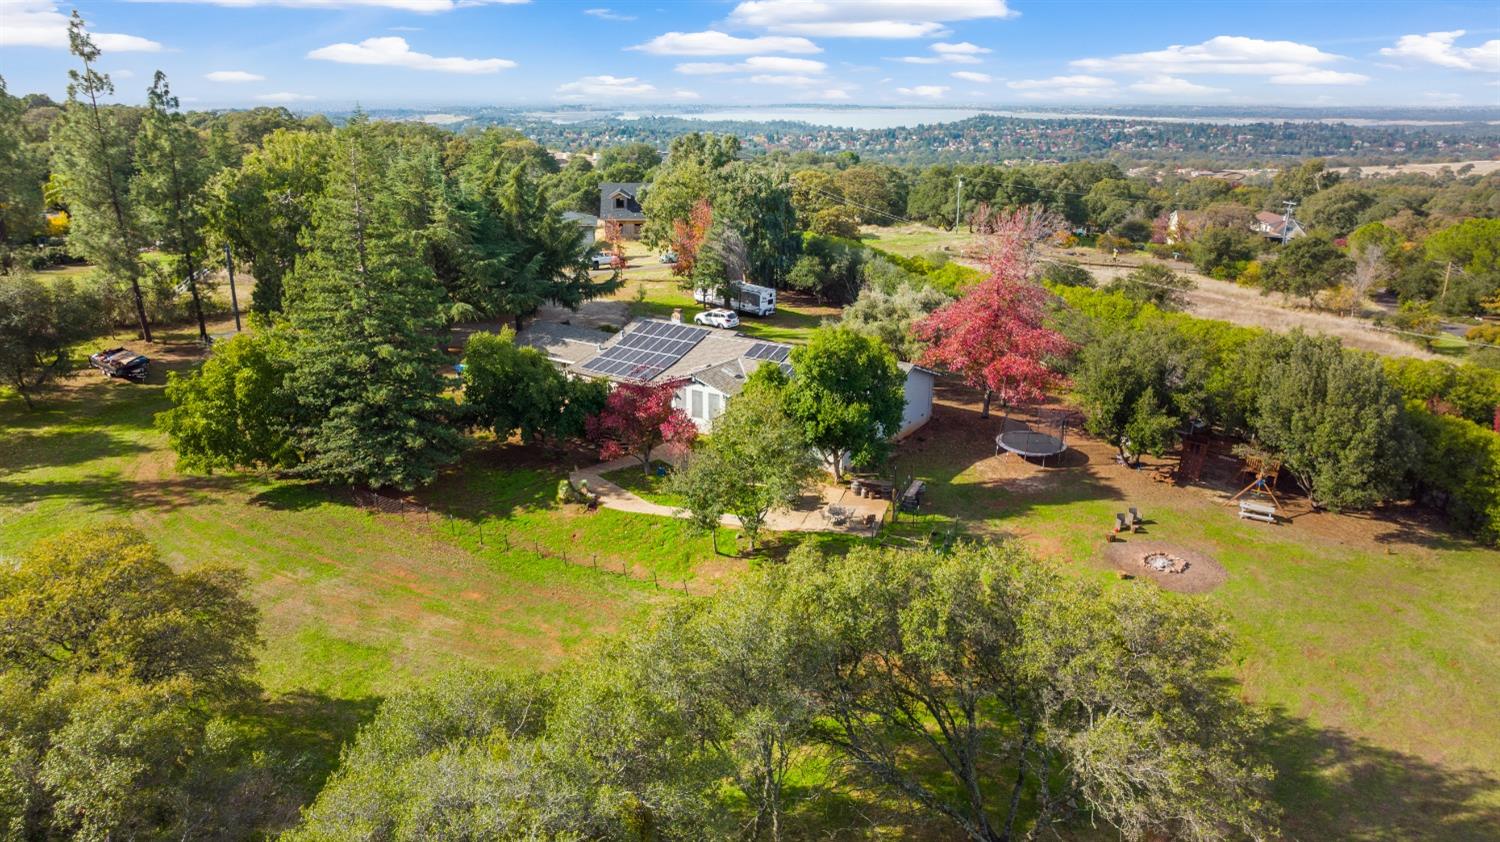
{"x": 1197, "y": 572}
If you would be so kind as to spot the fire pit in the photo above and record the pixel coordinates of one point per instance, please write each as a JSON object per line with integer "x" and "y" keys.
{"x": 1174, "y": 567}
{"x": 1164, "y": 562}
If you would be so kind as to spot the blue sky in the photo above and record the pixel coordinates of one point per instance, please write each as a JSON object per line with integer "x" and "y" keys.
{"x": 330, "y": 53}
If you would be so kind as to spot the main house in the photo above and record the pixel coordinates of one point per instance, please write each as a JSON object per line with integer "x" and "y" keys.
{"x": 712, "y": 365}
{"x": 620, "y": 207}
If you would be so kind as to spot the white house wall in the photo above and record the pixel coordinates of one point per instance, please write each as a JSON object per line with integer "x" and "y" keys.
{"x": 918, "y": 408}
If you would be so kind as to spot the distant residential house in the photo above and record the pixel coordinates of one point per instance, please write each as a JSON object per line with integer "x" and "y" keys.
{"x": 1274, "y": 226}
{"x": 711, "y": 365}
{"x": 587, "y": 221}
{"x": 1182, "y": 224}
{"x": 620, "y": 207}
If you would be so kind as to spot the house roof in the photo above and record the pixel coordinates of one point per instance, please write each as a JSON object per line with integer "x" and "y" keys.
{"x": 563, "y": 343}
{"x": 631, "y": 190}
{"x": 1272, "y": 223}
{"x": 721, "y": 359}
{"x": 587, "y": 219}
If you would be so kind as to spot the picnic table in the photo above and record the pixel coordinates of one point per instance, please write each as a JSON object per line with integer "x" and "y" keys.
{"x": 1257, "y": 511}
{"x": 838, "y": 515}
{"x": 876, "y": 488}
{"x": 911, "y": 498}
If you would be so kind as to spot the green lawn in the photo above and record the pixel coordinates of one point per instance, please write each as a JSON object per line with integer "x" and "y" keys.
{"x": 354, "y": 603}
{"x": 1374, "y": 642}
{"x": 652, "y": 486}
{"x": 792, "y": 322}
{"x": 915, "y": 240}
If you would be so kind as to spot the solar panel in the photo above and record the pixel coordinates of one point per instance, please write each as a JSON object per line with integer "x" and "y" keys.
{"x": 768, "y": 351}
{"x": 650, "y": 347}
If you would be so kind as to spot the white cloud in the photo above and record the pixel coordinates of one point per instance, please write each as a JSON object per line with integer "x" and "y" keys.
{"x": 615, "y": 87}
{"x": 1444, "y": 97}
{"x": 1172, "y": 86}
{"x": 38, "y": 23}
{"x": 1438, "y": 48}
{"x": 712, "y": 43}
{"x": 123, "y": 73}
{"x": 1320, "y": 77}
{"x": 1063, "y": 86}
{"x": 962, "y": 48}
{"x": 960, "y": 53}
{"x": 1221, "y": 55}
{"x": 419, "y": 6}
{"x": 836, "y": 94}
{"x": 284, "y": 97}
{"x": 789, "y": 80}
{"x": 233, "y": 76}
{"x": 392, "y": 51}
{"x": 608, "y": 14}
{"x": 754, "y": 64}
{"x": 924, "y": 91}
{"x": 865, "y": 19}
{"x": 972, "y": 76}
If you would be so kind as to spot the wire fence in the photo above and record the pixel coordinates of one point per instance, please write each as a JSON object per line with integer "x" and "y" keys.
{"x": 457, "y": 527}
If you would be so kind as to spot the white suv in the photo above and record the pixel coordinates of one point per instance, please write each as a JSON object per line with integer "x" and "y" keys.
{"x": 718, "y": 318}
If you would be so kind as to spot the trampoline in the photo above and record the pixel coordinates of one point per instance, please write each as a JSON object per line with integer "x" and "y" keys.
{"x": 1030, "y": 445}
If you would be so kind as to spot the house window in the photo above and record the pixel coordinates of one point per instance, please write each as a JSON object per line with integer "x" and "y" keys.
{"x": 715, "y": 405}
{"x": 697, "y": 398}
{"x": 619, "y": 201}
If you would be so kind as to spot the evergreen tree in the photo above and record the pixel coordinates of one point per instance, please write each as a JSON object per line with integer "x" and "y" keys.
{"x": 91, "y": 157}
{"x": 531, "y": 256}
{"x": 21, "y": 175}
{"x": 171, "y": 170}
{"x": 367, "y": 318}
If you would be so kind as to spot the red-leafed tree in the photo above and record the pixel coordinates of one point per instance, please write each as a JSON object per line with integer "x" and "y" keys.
{"x": 638, "y": 418}
{"x": 995, "y": 336}
{"x": 688, "y": 236}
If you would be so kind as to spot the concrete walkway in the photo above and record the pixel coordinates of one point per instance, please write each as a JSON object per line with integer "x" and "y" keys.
{"x": 806, "y": 516}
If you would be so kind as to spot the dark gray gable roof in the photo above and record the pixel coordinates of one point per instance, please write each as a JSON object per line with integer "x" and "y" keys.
{"x": 632, "y": 191}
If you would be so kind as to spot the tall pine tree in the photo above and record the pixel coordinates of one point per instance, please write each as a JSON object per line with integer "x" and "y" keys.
{"x": 171, "y": 170}
{"x": 91, "y": 157}
{"x": 366, "y": 313}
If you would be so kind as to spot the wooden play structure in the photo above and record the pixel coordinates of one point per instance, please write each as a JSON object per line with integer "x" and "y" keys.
{"x": 1267, "y": 469}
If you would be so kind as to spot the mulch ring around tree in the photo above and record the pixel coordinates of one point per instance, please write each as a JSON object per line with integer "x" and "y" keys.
{"x": 1195, "y": 571}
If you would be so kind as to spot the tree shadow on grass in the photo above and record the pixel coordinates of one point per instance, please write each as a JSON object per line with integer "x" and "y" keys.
{"x": 1332, "y": 785}
{"x": 25, "y": 450}
{"x": 298, "y": 496}
{"x": 127, "y": 495}
{"x": 305, "y": 731}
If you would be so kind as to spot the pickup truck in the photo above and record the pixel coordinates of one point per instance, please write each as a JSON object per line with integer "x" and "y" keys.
{"x": 121, "y": 362}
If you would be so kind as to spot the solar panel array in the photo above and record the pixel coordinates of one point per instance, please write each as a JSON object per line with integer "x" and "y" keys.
{"x": 768, "y": 351}
{"x": 646, "y": 350}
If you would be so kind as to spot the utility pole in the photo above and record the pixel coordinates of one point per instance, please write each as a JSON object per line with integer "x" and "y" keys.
{"x": 958, "y": 204}
{"x": 234, "y": 298}
{"x": 1286, "y": 220}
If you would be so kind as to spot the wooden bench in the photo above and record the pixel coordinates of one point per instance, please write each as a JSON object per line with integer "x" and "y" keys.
{"x": 1257, "y": 511}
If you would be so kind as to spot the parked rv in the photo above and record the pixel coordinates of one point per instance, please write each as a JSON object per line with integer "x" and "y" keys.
{"x": 748, "y": 298}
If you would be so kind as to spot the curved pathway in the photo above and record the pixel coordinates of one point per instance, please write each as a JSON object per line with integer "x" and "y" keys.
{"x": 806, "y": 517}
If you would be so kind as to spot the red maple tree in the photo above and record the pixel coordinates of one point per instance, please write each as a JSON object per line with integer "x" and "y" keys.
{"x": 995, "y": 336}
{"x": 638, "y": 418}
{"x": 688, "y": 236}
